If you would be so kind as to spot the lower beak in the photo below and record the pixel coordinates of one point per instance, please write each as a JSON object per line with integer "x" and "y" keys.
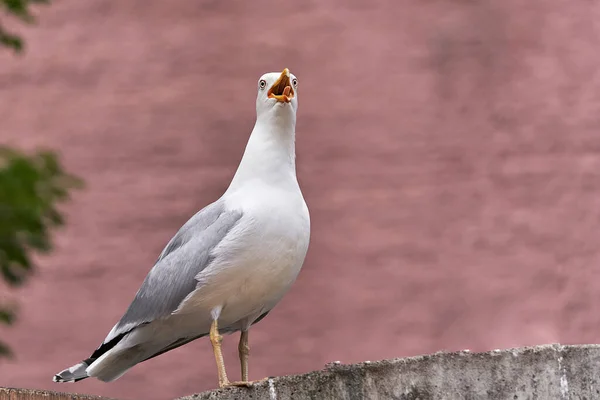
{"x": 282, "y": 90}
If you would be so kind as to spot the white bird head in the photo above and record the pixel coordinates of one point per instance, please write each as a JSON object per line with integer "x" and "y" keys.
{"x": 277, "y": 93}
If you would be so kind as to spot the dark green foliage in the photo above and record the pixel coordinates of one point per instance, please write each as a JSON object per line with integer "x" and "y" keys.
{"x": 7, "y": 316}
{"x": 31, "y": 187}
{"x": 19, "y": 9}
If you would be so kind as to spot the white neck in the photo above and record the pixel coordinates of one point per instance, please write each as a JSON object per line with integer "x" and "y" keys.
{"x": 270, "y": 154}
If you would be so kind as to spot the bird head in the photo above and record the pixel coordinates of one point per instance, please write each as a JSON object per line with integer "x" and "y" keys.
{"x": 277, "y": 92}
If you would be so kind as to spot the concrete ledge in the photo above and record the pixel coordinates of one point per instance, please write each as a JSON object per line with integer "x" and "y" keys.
{"x": 543, "y": 372}
{"x": 32, "y": 394}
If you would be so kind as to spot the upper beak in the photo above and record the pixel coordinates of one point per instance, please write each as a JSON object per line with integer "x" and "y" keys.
{"x": 282, "y": 90}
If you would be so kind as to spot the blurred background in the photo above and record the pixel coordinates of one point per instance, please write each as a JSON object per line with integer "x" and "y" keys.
{"x": 448, "y": 150}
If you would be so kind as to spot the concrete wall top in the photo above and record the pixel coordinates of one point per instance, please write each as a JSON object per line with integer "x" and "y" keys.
{"x": 545, "y": 372}
{"x": 33, "y": 394}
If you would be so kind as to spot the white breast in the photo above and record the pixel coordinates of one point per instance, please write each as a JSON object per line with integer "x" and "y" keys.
{"x": 260, "y": 258}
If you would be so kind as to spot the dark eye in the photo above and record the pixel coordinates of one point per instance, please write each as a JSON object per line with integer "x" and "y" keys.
{"x": 262, "y": 84}
{"x": 295, "y": 82}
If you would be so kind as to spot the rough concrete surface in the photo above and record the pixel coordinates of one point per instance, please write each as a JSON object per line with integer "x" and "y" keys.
{"x": 30, "y": 394}
{"x": 551, "y": 372}
{"x": 448, "y": 150}
{"x": 548, "y": 372}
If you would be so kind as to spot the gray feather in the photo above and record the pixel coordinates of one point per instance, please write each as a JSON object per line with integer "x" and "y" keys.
{"x": 173, "y": 276}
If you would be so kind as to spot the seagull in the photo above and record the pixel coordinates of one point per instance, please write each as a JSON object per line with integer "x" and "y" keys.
{"x": 230, "y": 263}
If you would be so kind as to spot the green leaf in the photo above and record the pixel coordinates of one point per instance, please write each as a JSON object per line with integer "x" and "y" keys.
{"x": 7, "y": 316}
{"x": 11, "y": 41}
{"x": 17, "y": 8}
{"x": 5, "y": 351}
{"x": 20, "y": 9}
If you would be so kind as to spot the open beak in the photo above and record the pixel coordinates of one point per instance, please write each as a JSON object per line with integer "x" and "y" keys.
{"x": 282, "y": 90}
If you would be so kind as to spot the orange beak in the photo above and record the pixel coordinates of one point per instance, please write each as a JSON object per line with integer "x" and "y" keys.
{"x": 282, "y": 90}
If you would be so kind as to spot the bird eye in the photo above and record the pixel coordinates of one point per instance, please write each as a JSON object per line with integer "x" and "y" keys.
{"x": 262, "y": 83}
{"x": 295, "y": 82}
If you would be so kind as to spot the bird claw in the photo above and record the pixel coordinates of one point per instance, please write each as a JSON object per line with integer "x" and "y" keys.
{"x": 246, "y": 383}
{"x": 241, "y": 383}
{"x": 223, "y": 384}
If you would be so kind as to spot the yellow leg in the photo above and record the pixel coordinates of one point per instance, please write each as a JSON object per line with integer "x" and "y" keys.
{"x": 216, "y": 340}
{"x": 244, "y": 350}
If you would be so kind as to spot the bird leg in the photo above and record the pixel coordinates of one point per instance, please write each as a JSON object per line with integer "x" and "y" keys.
{"x": 244, "y": 351}
{"x": 216, "y": 339}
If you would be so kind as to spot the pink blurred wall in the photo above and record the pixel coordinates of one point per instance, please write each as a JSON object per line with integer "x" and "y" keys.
{"x": 449, "y": 152}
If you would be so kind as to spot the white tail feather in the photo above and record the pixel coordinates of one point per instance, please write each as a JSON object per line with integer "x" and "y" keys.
{"x": 72, "y": 374}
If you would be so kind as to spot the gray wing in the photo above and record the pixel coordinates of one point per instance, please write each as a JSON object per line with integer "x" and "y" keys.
{"x": 173, "y": 276}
